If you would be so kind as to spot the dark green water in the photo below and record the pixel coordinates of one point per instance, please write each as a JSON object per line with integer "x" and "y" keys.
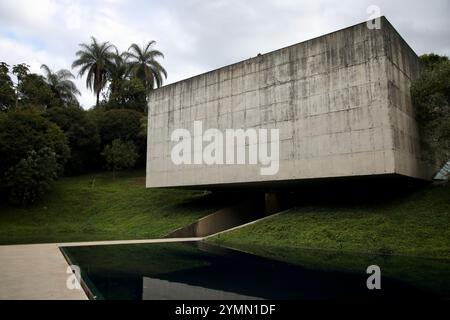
{"x": 199, "y": 271}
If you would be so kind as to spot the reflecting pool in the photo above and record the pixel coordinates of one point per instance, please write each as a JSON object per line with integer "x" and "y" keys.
{"x": 196, "y": 270}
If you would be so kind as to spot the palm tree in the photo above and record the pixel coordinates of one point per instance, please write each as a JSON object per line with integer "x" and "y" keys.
{"x": 62, "y": 85}
{"x": 95, "y": 59}
{"x": 143, "y": 65}
{"x": 118, "y": 71}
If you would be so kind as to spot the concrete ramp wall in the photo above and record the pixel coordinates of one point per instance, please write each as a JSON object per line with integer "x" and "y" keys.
{"x": 226, "y": 218}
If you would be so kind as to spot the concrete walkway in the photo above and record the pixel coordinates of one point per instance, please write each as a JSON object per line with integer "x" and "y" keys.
{"x": 38, "y": 271}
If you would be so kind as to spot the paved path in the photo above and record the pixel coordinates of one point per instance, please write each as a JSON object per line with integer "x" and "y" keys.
{"x": 38, "y": 271}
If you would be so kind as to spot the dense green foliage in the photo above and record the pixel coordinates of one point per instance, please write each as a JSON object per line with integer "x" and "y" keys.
{"x": 119, "y": 124}
{"x": 34, "y": 91}
{"x": 432, "y": 60}
{"x": 32, "y": 177}
{"x": 127, "y": 94}
{"x": 27, "y": 142}
{"x": 125, "y": 91}
{"x": 7, "y": 93}
{"x": 431, "y": 97}
{"x": 120, "y": 155}
{"x": 22, "y": 132}
{"x": 82, "y": 136}
{"x": 416, "y": 224}
{"x": 123, "y": 124}
{"x": 127, "y": 78}
{"x": 98, "y": 207}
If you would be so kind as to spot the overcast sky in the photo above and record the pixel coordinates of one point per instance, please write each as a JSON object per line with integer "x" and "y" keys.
{"x": 197, "y": 36}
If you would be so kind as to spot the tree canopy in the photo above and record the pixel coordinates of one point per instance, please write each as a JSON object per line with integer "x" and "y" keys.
{"x": 145, "y": 66}
{"x": 33, "y": 152}
{"x": 44, "y": 132}
{"x": 7, "y": 93}
{"x": 431, "y": 97}
{"x": 82, "y": 136}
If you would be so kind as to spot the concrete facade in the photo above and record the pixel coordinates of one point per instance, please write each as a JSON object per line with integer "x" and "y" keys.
{"x": 341, "y": 102}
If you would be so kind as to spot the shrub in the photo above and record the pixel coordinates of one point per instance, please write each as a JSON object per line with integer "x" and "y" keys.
{"x": 31, "y": 178}
{"x": 120, "y": 155}
{"x": 125, "y": 125}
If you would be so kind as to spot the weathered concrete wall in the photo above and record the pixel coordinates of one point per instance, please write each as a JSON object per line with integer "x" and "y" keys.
{"x": 341, "y": 102}
{"x": 402, "y": 66}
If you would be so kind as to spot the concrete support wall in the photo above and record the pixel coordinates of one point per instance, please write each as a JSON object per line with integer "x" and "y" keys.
{"x": 223, "y": 219}
{"x": 341, "y": 102}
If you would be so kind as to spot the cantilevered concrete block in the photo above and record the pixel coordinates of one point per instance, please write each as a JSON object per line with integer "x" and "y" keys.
{"x": 341, "y": 101}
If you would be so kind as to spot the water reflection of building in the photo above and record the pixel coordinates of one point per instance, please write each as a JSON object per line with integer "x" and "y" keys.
{"x": 156, "y": 289}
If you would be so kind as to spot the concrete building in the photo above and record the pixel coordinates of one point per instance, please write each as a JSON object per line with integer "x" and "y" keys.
{"x": 341, "y": 103}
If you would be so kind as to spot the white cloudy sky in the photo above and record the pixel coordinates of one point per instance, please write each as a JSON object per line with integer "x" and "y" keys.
{"x": 199, "y": 35}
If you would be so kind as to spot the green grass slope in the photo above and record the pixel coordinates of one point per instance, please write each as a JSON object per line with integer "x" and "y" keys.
{"x": 417, "y": 224}
{"x": 98, "y": 207}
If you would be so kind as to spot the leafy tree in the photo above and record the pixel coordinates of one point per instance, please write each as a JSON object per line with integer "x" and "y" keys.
{"x": 34, "y": 91}
{"x": 20, "y": 70}
{"x": 431, "y": 60}
{"x": 31, "y": 89}
{"x": 431, "y": 97}
{"x": 120, "y": 155}
{"x": 62, "y": 85}
{"x": 121, "y": 124}
{"x": 145, "y": 66}
{"x": 128, "y": 94}
{"x": 31, "y": 177}
{"x": 24, "y": 131}
{"x": 82, "y": 136}
{"x": 7, "y": 93}
{"x": 95, "y": 59}
{"x": 125, "y": 90}
{"x": 33, "y": 152}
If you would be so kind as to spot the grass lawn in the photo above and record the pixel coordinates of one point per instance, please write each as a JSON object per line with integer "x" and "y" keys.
{"x": 417, "y": 224}
{"x": 84, "y": 209}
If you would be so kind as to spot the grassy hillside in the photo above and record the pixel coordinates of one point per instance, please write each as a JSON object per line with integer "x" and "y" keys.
{"x": 97, "y": 207}
{"x": 417, "y": 224}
